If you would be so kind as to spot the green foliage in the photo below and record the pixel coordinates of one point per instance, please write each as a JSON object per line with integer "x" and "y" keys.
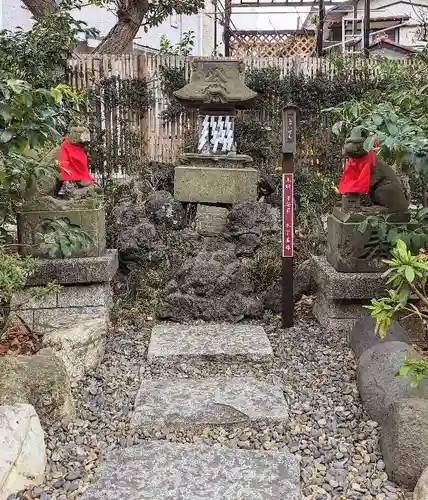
{"x": 413, "y": 234}
{"x": 30, "y": 117}
{"x": 183, "y": 48}
{"x": 39, "y": 55}
{"x": 155, "y": 12}
{"x": 14, "y": 272}
{"x": 266, "y": 266}
{"x": 394, "y": 113}
{"x": 408, "y": 276}
{"x": 60, "y": 239}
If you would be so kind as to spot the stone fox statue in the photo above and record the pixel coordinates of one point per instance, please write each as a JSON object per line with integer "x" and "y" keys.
{"x": 366, "y": 173}
{"x": 71, "y": 161}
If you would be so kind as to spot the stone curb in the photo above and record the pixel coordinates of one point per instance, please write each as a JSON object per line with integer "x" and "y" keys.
{"x": 401, "y": 410}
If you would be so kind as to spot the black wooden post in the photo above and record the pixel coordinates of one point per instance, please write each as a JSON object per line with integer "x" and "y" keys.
{"x": 289, "y": 126}
{"x": 320, "y": 34}
{"x": 366, "y": 28}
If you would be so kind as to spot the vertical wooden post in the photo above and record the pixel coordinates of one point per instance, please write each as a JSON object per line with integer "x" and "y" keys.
{"x": 366, "y": 28}
{"x": 226, "y": 26}
{"x": 320, "y": 34}
{"x": 289, "y": 126}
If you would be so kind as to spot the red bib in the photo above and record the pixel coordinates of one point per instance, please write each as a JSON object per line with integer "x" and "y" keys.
{"x": 73, "y": 163}
{"x": 356, "y": 175}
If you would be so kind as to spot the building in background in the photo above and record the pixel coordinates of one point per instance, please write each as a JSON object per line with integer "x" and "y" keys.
{"x": 13, "y": 14}
{"x": 397, "y": 28}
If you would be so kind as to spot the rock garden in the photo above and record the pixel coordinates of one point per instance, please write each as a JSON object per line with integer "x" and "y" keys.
{"x": 142, "y": 353}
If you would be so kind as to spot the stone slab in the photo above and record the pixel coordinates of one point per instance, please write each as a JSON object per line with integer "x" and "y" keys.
{"x": 215, "y": 184}
{"x": 330, "y": 325}
{"x": 166, "y": 471}
{"x": 173, "y": 342}
{"x": 216, "y": 401}
{"x": 66, "y": 296}
{"x": 341, "y": 309}
{"x": 211, "y": 220}
{"x": 336, "y": 285}
{"x": 78, "y": 270}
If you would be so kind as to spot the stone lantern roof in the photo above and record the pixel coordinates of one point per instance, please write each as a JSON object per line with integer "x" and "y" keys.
{"x": 216, "y": 84}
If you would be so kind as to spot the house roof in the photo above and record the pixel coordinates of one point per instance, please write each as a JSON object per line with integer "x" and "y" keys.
{"x": 385, "y": 42}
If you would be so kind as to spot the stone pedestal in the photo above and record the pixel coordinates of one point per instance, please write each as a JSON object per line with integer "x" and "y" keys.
{"x": 197, "y": 184}
{"x": 351, "y": 250}
{"x": 341, "y": 296}
{"x": 86, "y": 214}
{"x": 74, "y": 319}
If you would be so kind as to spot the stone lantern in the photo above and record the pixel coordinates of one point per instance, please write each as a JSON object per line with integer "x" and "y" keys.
{"x": 216, "y": 174}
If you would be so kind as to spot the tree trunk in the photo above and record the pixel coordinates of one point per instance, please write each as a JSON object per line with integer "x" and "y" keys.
{"x": 130, "y": 19}
{"x": 39, "y": 7}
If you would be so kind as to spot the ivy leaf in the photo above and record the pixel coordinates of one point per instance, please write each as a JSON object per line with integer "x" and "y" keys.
{"x": 337, "y": 128}
{"x": 368, "y": 144}
{"x": 377, "y": 119}
{"x": 6, "y": 136}
{"x": 392, "y": 128}
{"x": 5, "y": 112}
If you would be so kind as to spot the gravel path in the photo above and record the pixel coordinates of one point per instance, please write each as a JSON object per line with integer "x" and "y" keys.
{"x": 336, "y": 441}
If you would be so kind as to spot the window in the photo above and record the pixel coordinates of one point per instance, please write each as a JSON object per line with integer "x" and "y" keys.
{"x": 392, "y": 35}
{"x": 174, "y": 20}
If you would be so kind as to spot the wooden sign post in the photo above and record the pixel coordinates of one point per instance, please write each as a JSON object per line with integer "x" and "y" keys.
{"x": 289, "y": 126}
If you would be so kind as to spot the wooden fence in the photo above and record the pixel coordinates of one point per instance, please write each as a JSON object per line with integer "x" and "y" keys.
{"x": 162, "y": 140}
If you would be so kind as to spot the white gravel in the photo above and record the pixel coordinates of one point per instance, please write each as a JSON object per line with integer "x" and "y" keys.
{"x": 336, "y": 441}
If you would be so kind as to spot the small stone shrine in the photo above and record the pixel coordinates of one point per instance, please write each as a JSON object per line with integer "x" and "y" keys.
{"x": 352, "y": 272}
{"x": 215, "y": 174}
{"x": 74, "y": 319}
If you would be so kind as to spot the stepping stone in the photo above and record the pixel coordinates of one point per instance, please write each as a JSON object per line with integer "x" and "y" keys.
{"x": 186, "y": 402}
{"x": 165, "y": 471}
{"x": 171, "y": 343}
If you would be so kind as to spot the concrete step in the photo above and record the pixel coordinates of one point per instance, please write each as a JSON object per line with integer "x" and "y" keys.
{"x": 170, "y": 343}
{"x": 190, "y": 402}
{"x": 165, "y": 471}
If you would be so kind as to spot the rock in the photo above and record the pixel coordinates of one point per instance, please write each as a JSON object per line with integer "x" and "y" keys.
{"x": 404, "y": 441}
{"x": 247, "y": 244}
{"x": 80, "y": 347}
{"x": 421, "y": 490}
{"x": 40, "y": 380}
{"x": 140, "y": 244}
{"x": 162, "y": 209}
{"x": 363, "y": 335}
{"x": 252, "y": 217}
{"x": 22, "y": 449}
{"x": 377, "y": 382}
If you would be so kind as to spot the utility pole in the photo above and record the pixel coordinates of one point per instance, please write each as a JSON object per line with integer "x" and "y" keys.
{"x": 366, "y": 28}
{"x": 215, "y": 27}
{"x": 320, "y": 34}
{"x": 226, "y": 31}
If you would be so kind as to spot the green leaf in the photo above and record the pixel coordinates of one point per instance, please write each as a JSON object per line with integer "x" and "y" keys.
{"x": 6, "y": 136}
{"x": 368, "y": 144}
{"x": 337, "y": 128}
{"x": 5, "y": 112}
{"x": 392, "y": 128}
{"x": 377, "y": 119}
{"x": 409, "y": 273}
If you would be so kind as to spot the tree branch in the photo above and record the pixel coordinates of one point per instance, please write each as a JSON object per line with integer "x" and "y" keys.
{"x": 39, "y": 7}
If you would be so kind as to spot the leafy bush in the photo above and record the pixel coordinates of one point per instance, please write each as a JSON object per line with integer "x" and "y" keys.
{"x": 408, "y": 278}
